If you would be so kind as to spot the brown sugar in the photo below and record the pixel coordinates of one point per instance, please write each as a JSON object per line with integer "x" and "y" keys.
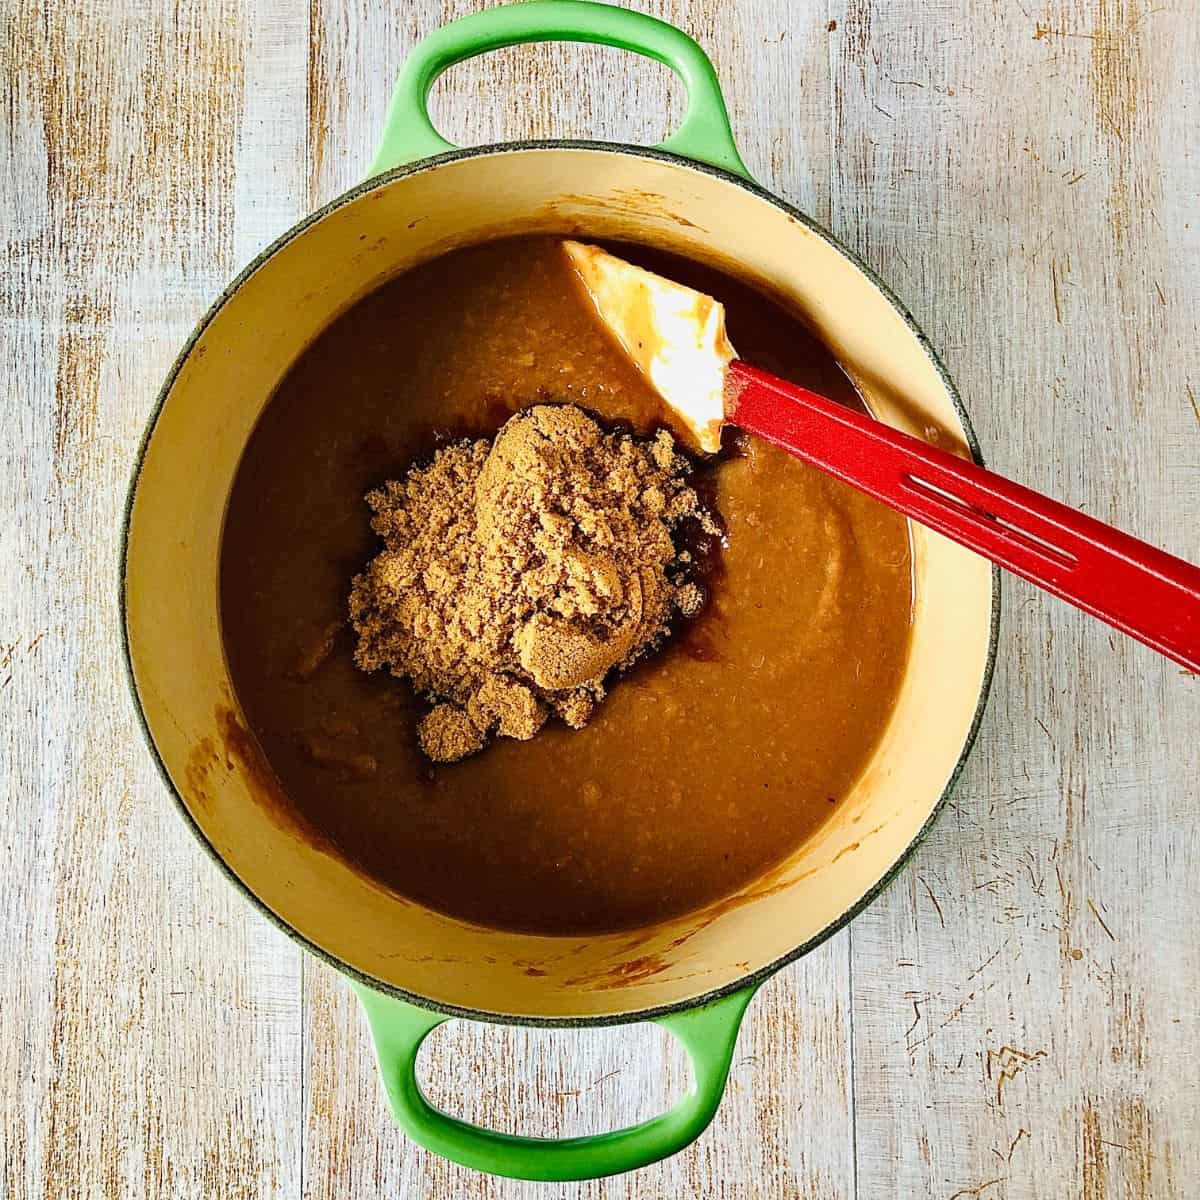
{"x": 518, "y": 574}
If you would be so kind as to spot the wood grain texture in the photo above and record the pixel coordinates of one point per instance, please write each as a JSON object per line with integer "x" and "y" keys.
{"x": 1016, "y": 1016}
{"x": 149, "y": 1022}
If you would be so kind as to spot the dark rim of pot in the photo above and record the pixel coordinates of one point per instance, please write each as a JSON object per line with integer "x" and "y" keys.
{"x": 751, "y": 979}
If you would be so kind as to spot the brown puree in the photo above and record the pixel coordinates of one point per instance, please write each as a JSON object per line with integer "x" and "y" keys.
{"x": 702, "y": 768}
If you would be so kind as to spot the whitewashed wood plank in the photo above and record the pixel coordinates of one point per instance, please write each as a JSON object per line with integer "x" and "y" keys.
{"x": 1020, "y": 992}
{"x": 150, "y": 1042}
{"x": 27, "y": 755}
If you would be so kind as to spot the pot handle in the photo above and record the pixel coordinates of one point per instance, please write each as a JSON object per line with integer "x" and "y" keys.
{"x": 409, "y": 134}
{"x": 708, "y": 1034}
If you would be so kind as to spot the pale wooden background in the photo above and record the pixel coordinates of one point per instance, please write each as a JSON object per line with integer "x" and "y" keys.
{"x": 1017, "y": 1016}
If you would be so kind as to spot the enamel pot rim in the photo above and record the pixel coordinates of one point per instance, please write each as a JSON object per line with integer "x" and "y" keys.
{"x": 751, "y": 979}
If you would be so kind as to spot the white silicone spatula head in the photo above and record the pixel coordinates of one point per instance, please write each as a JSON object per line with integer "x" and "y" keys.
{"x": 676, "y": 336}
{"x": 673, "y": 334}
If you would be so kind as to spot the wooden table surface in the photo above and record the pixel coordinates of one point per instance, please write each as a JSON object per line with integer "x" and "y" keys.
{"x": 1017, "y": 1015}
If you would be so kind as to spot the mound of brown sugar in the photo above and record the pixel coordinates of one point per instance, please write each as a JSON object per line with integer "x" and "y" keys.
{"x": 518, "y": 573}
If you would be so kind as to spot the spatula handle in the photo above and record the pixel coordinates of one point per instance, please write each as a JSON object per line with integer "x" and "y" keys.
{"x": 1143, "y": 591}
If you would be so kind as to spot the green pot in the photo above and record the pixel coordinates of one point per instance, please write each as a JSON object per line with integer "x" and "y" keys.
{"x": 415, "y": 968}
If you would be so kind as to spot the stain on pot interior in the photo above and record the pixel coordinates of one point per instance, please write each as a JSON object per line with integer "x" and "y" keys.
{"x": 632, "y": 204}
{"x": 231, "y": 749}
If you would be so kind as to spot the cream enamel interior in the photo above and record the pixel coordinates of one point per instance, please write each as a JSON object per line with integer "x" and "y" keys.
{"x": 171, "y": 585}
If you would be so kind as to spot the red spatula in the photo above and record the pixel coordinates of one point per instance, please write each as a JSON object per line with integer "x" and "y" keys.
{"x": 677, "y": 338}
